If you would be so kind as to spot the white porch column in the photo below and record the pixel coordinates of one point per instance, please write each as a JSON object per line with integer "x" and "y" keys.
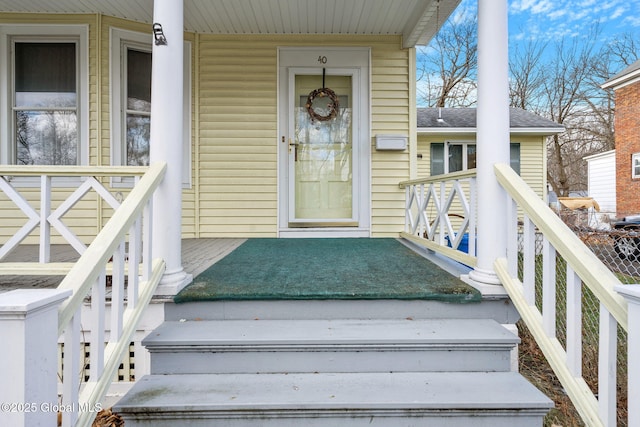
{"x": 29, "y": 368}
{"x": 166, "y": 141}
{"x": 492, "y": 137}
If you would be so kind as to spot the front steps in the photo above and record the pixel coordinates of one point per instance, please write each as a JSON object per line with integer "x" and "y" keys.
{"x": 289, "y": 363}
{"x": 329, "y": 346}
{"x": 501, "y": 399}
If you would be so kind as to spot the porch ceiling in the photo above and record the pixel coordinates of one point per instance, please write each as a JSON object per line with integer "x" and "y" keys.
{"x": 416, "y": 20}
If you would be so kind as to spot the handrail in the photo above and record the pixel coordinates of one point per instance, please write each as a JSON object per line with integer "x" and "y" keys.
{"x": 431, "y": 204}
{"x": 585, "y": 263}
{"x": 582, "y": 267}
{"x": 45, "y": 218}
{"x": 87, "y": 277}
{"x": 454, "y": 176}
{"x": 102, "y": 248}
{"x": 71, "y": 171}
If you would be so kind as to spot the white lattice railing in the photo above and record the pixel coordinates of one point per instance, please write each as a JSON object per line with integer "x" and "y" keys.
{"x": 440, "y": 214}
{"x": 121, "y": 249}
{"x": 551, "y": 289}
{"x": 46, "y": 219}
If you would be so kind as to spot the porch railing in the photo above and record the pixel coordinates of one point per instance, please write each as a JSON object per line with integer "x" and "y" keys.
{"x": 440, "y": 214}
{"x": 122, "y": 249}
{"x": 537, "y": 282}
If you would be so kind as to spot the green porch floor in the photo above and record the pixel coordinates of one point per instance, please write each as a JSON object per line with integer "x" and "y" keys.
{"x": 278, "y": 269}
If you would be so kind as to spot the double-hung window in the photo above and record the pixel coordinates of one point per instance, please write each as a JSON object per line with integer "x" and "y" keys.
{"x": 131, "y": 59}
{"x": 137, "y": 114}
{"x": 635, "y": 165}
{"x": 454, "y": 156}
{"x": 44, "y": 114}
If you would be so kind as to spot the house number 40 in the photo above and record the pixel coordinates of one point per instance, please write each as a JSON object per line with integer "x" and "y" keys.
{"x": 322, "y": 59}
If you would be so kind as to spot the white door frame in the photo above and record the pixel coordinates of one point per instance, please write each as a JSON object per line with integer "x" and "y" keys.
{"x": 314, "y": 59}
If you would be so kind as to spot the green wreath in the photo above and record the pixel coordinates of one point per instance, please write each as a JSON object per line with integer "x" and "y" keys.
{"x": 333, "y": 106}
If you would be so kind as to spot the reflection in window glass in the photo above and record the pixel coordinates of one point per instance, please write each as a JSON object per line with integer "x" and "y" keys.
{"x": 45, "y": 103}
{"x": 455, "y": 161}
{"x": 455, "y": 158}
{"x": 138, "y": 114}
{"x": 471, "y": 156}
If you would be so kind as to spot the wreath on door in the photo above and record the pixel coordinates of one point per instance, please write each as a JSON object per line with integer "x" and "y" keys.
{"x": 333, "y": 106}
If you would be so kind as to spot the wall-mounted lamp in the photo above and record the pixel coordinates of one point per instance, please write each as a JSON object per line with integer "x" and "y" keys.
{"x": 158, "y": 35}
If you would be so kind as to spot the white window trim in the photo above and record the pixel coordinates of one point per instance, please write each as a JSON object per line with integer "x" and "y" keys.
{"x": 118, "y": 38}
{"x": 78, "y": 32}
{"x": 635, "y": 160}
{"x": 464, "y": 144}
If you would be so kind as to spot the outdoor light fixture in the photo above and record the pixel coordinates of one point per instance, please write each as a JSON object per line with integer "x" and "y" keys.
{"x": 158, "y": 34}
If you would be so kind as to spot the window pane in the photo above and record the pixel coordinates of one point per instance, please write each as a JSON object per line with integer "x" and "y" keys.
{"x": 514, "y": 150}
{"x": 138, "y": 135}
{"x": 437, "y": 158}
{"x": 138, "y": 80}
{"x": 471, "y": 156}
{"x": 46, "y": 138}
{"x": 455, "y": 158}
{"x": 45, "y": 75}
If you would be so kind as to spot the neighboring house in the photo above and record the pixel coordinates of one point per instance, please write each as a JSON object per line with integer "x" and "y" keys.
{"x": 626, "y": 86}
{"x": 447, "y": 143}
{"x": 602, "y": 181}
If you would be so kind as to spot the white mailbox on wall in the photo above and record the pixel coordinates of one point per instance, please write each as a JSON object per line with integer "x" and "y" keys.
{"x": 391, "y": 142}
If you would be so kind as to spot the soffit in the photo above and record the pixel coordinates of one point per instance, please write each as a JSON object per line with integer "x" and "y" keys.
{"x": 416, "y": 20}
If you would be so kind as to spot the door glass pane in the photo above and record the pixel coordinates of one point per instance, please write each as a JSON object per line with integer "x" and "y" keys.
{"x": 323, "y": 152}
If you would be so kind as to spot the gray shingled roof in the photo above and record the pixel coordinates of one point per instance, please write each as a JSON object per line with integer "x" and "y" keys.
{"x": 466, "y": 118}
{"x": 629, "y": 70}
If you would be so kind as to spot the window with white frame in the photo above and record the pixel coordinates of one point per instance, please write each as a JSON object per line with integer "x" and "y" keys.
{"x": 635, "y": 165}
{"x": 137, "y": 114}
{"x": 454, "y": 156}
{"x": 131, "y": 100}
{"x": 45, "y": 106}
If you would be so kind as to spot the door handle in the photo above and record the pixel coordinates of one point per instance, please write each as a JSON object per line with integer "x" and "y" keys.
{"x": 295, "y": 148}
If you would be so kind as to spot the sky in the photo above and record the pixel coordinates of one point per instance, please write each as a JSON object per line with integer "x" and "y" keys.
{"x": 549, "y": 20}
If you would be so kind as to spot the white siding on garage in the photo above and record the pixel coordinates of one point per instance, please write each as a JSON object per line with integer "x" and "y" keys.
{"x": 602, "y": 180}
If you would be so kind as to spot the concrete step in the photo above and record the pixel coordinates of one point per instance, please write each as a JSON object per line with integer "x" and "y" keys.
{"x": 498, "y": 308}
{"x": 347, "y": 345}
{"x": 445, "y": 399}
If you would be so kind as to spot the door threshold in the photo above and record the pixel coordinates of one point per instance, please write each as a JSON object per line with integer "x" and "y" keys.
{"x": 324, "y": 232}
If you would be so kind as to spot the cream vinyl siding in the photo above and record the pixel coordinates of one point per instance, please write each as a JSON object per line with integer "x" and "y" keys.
{"x": 392, "y": 89}
{"x": 238, "y": 140}
{"x": 533, "y": 157}
{"x": 82, "y": 219}
{"x": 234, "y": 129}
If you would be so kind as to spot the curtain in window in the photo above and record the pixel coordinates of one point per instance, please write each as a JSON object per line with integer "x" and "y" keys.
{"x": 455, "y": 161}
{"x": 45, "y": 109}
{"x": 138, "y": 116}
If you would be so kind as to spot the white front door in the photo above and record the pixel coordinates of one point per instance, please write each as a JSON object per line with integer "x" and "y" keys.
{"x": 324, "y": 149}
